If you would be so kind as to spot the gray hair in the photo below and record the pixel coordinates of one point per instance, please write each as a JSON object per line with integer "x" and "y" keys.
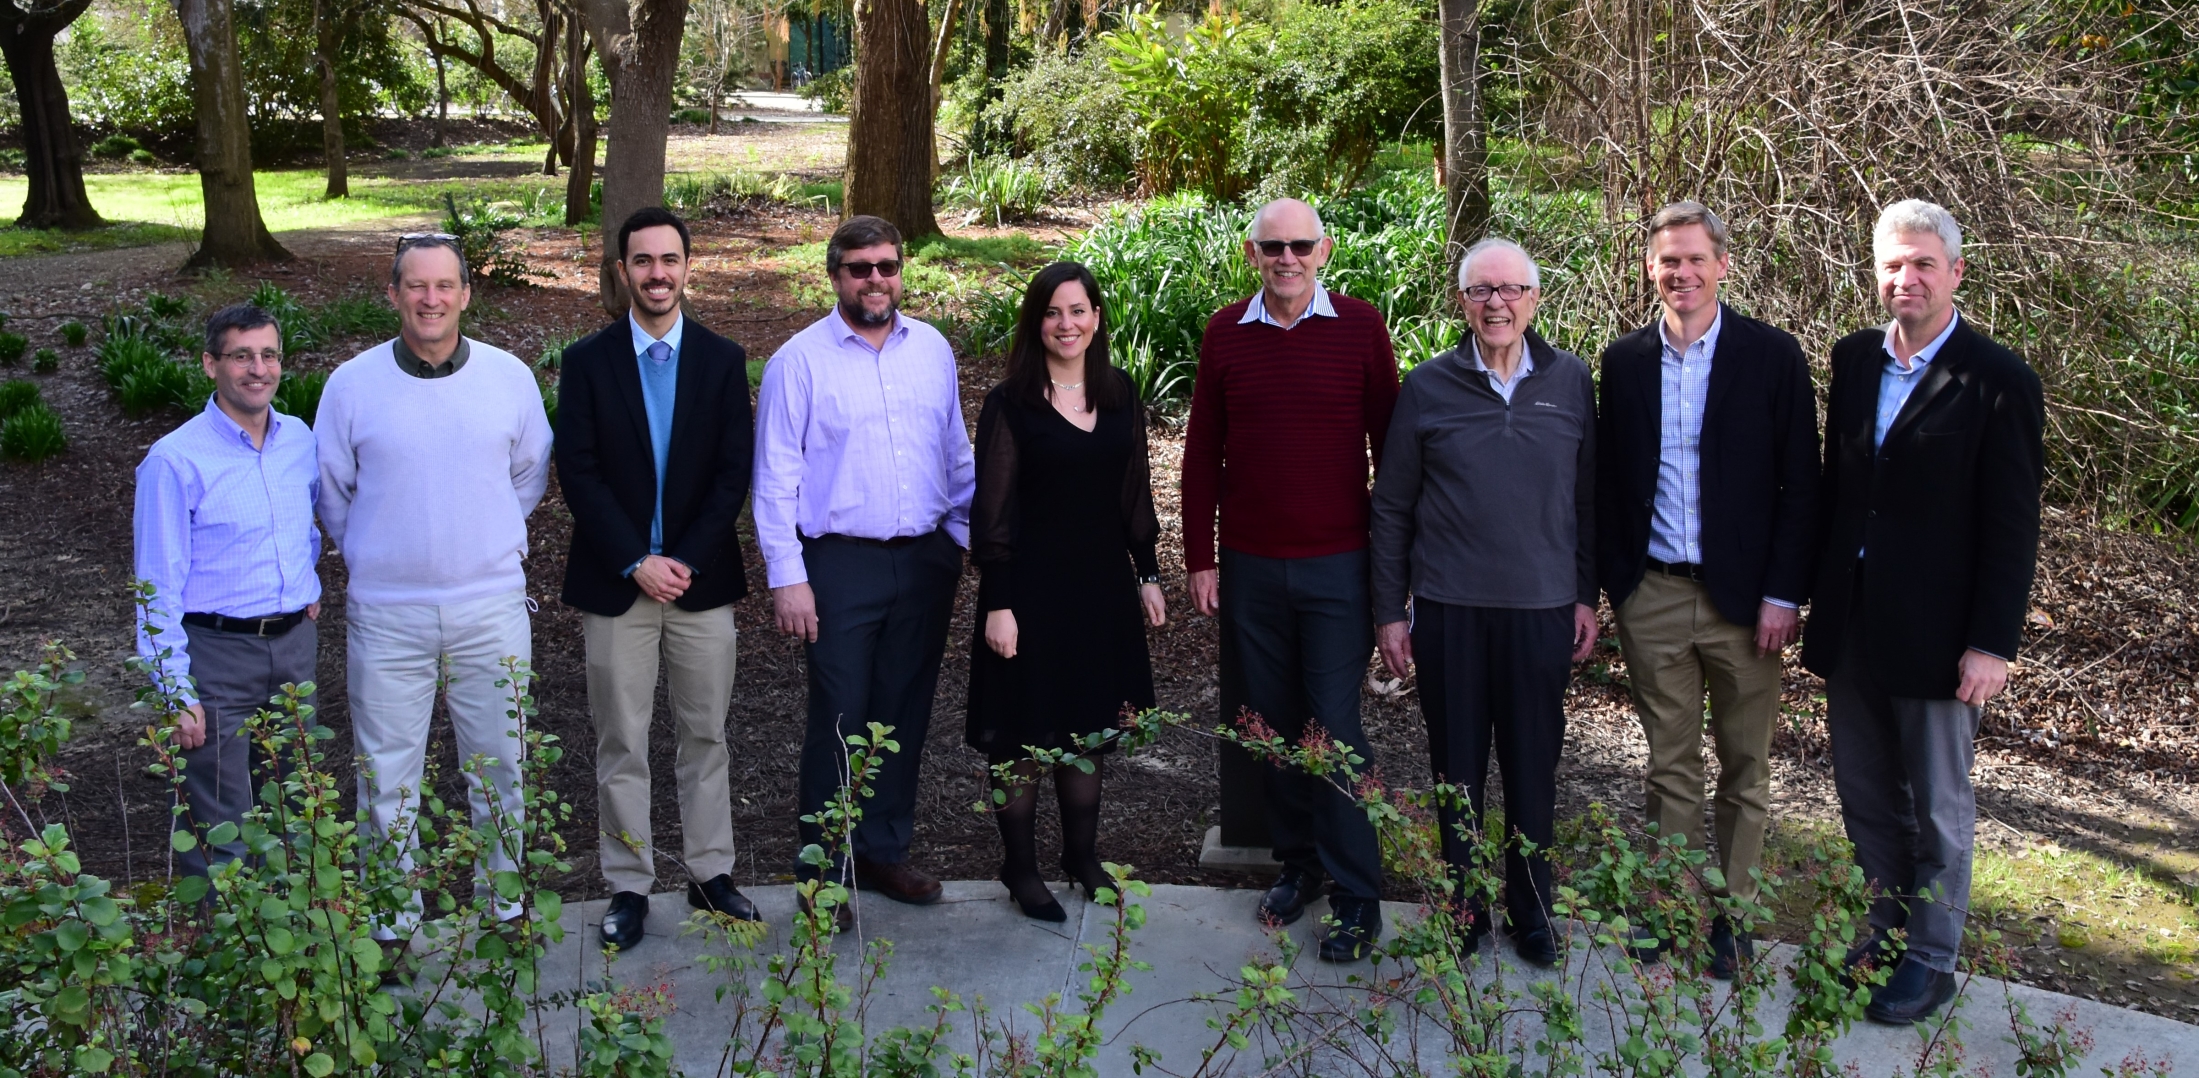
{"x": 1320, "y": 231}
{"x": 420, "y": 241}
{"x": 1690, "y": 212}
{"x": 1912, "y": 216}
{"x": 1498, "y": 243}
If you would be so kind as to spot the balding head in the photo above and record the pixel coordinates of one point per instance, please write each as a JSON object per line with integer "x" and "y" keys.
{"x": 1287, "y": 219}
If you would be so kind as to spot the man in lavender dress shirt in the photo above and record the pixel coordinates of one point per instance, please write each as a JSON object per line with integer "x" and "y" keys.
{"x": 862, "y": 507}
{"x": 224, "y": 532}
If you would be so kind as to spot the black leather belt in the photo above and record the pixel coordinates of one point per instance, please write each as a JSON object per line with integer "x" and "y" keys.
{"x": 1690, "y": 570}
{"x": 894, "y": 543}
{"x": 271, "y": 625}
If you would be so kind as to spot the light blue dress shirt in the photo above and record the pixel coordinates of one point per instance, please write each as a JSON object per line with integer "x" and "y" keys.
{"x": 1676, "y": 516}
{"x": 1896, "y": 382}
{"x": 223, "y": 528}
{"x": 660, "y": 378}
{"x": 1256, "y": 311}
{"x": 1504, "y": 388}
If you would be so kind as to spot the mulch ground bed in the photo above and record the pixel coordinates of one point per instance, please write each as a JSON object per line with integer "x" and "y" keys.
{"x": 2098, "y": 731}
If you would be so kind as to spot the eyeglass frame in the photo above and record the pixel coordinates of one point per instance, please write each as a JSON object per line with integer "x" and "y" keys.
{"x": 272, "y": 357}
{"x": 414, "y": 241}
{"x": 1310, "y": 246}
{"x": 1492, "y": 291}
{"x": 860, "y": 271}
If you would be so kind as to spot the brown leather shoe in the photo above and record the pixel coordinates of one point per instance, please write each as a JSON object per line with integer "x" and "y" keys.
{"x": 900, "y": 882}
{"x": 843, "y": 915}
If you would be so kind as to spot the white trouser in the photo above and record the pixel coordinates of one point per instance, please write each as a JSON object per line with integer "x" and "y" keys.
{"x": 398, "y": 655}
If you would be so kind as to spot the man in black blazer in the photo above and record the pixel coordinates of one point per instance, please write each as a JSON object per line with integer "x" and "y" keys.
{"x": 1930, "y": 523}
{"x": 1707, "y": 434}
{"x": 654, "y": 437}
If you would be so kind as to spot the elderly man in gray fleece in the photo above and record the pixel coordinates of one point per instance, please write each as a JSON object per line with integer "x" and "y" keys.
{"x": 1484, "y": 510}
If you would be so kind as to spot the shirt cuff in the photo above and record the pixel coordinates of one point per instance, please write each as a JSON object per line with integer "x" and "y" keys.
{"x": 1982, "y": 651}
{"x": 785, "y": 572}
{"x": 629, "y": 570}
{"x": 1782, "y": 603}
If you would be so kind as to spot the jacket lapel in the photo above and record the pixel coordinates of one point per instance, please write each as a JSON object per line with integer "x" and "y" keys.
{"x": 626, "y": 374}
{"x": 686, "y": 390}
{"x": 1722, "y": 371}
{"x": 1938, "y": 377}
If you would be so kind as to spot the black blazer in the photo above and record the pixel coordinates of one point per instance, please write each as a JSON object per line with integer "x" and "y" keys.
{"x": 1758, "y": 473}
{"x": 608, "y": 472}
{"x": 1948, "y": 510}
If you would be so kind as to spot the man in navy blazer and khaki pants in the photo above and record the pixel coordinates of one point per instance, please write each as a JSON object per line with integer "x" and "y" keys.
{"x": 1930, "y": 518}
{"x": 654, "y": 437}
{"x": 1707, "y": 433}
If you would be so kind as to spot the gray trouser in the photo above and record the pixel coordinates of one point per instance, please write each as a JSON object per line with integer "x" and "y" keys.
{"x": 236, "y": 674}
{"x": 1902, "y": 767}
{"x": 1301, "y": 629}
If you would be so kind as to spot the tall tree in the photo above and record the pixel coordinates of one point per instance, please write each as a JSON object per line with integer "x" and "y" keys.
{"x": 639, "y": 42}
{"x": 580, "y": 112}
{"x": 999, "y": 20}
{"x": 889, "y": 158}
{"x": 328, "y": 37}
{"x": 941, "y": 53}
{"x": 50, "y": 155}
{"x": 234, "y": 234}
{"x": 1465, "y": 159}
{"x": 533, "y": 88}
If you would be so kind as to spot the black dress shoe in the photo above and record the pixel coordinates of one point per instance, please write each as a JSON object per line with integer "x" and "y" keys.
{"x": 1877, "y": 950}
{"x": 1287, "y": 898}
{"x": 718, "y": 895}
{"x": 1358, "y": 925}
{"x": 1537, "y": 946}
{"x": 843, "y": 915}
{"x": 1728, "y": 949}
{"x": 1915, "y": 993}
{"x": 899, "y": 881}
{"x": 398, "y": 967}
{"x": 1048, "y": 909}
{"x": 622, "y": 922}
{"x": 1650, "y": 950}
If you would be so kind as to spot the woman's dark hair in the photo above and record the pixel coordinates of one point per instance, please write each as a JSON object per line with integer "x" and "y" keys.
{"x": 1028, "y": 380}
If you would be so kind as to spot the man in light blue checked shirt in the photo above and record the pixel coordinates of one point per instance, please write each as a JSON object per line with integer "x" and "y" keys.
{"x": 224, "y": 532}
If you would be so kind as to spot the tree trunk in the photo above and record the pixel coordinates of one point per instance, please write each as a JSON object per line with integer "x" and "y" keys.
{"x": 328, "y": 33}
{"x": 1465, "y": 128}
{"x": 939, "y": 74}
{"x": 235, "y": 234}
{"x": 580, "y": 105}
{"x": 442, "y": 102}
{"x": 545, "y": 80}
{"x": 54, "y": 165}
{"x": 890, "y": 159}
{"x": 639, "y": 42}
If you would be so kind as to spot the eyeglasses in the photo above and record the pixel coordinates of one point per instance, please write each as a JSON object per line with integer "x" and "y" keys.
{"x": 1480, "y": 293}
{"x": 245, "y": 357}
{"x": 426, "y": 237}
{"x": 861, "y": 270}
{"x": 1274, "y": 248}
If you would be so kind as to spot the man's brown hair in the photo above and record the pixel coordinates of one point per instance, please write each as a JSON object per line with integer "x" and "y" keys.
{"x": 860, "y": 231}
{"x": 1690, "y": 212}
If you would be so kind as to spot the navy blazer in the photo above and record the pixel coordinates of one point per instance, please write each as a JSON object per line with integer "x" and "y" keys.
{"x": 607, "y": 468}
{"x": 1948, "y": 509}
{"x": 1758, "y": 473}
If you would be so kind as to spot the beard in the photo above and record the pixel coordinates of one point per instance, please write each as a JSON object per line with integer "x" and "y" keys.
{"x": 857, "y": 315}
{"x": 642, "y": 300}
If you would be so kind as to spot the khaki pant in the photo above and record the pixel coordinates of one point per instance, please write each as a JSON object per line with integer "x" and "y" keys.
{"x": 623, "y": 657}
{"x": 1676, "y": 642}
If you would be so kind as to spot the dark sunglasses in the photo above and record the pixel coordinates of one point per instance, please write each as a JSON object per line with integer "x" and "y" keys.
{"x": 861, "y": 270}
{"x": 1274, "y": 248}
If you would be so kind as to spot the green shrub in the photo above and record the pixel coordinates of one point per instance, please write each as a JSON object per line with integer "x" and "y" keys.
{"x": 396, "y": 153}
{"x": 1066, "y": 116}
{"x": 299, "y": 394}
{"x": 141, "y": 157}
{"x": 998, "y": 189}
{"x": 146, "y": 380}
{"x": 832, "y": 90}
{"x": 12, "y": 159}
{"x": 115, "y": 147}
{"x": 32, "y": 434}
{"x": 433, "y": 152}
{"x": 11, "y": 348}
{"x": 691, "y": 116}
{"x": 480, "y": 227}
{"x": 16, "y": 395}
{"x": 46, "y": 361}
{"x": 74, "y": 334}
{"x": 166, "y": 306}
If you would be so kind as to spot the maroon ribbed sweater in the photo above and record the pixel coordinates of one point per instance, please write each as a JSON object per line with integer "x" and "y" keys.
{"x": 1281, "y": 424}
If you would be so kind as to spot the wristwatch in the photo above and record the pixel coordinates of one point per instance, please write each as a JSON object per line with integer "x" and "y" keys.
{"x": 1155, "y": 579}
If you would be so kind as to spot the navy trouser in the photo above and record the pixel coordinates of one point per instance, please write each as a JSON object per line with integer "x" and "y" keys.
{"x": 881, "y": 628}
{"x": 1301, "y": 630}
{"x": 1494, "y": 675}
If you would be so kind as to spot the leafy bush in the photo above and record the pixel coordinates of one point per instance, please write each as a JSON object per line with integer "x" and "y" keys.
{"x": 32, "y": 434}
{"x": 146, "y": 380}
{"x": 16, "y": 395}
{"x": 831, "y": 90}
{"x": 998, "y": 189}
{"x": 141, "y": 157}
{"x": 1191, "y": 94}
{"x": 480, "y": 227}
{"x": 115, "y": 147}
{"x": 691, "y": 116}
{"x": 1341, "y": 80}
{"x": 74, "y": 334}
{"x": 46, "y": 361}
{"x": 299, "y": 394}
{"x": 126, "y": 66}
{"x": 11, "y": 348}
{"x": 1067, "y": 116}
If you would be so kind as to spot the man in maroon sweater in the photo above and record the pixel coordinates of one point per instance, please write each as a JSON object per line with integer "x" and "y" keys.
{"x": 1294, "y": 385}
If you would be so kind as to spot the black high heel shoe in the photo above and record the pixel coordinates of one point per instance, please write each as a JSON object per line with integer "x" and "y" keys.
{"x": 1048, "y": 910}
{"x": 1091, "y": 877}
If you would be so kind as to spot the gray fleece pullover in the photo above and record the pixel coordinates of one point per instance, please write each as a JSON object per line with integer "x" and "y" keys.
{"x": 1480, "y": 503}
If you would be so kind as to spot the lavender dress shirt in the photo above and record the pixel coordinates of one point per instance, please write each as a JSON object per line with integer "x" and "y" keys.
{"x": 860, "y": 441}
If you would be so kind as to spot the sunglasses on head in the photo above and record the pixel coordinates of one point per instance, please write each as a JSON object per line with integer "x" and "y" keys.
{"x": 861, "y": 270}
{"x": 1274, "y": 248}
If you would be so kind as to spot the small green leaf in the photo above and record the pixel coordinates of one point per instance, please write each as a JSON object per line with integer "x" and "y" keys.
{"x": 318, "y": 1065}
{"x": 94, "y": 1060}
{"x": 182, "y": 841}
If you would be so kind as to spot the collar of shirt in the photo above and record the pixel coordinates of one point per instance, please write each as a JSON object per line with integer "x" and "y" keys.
{"x": 231, "y": 431}
{"x": 1923, "y": 355}
{"x": 1525, "y": 368}
{"x": 843, "y": 333}
{"x": 410, "y": 362}
{"x": 1708, "y": 342}
{"x": 1256, "y": 311}
{"x": 672, "y": 337}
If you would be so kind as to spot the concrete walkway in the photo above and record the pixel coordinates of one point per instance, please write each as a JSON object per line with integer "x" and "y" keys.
{"x": 976, "y": 944}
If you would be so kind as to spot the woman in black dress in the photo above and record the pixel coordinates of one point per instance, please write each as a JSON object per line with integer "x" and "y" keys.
{"x": 1063, "y": 533}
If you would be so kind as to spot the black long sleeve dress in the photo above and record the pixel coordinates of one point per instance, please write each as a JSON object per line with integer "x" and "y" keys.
{"x": 1060, "y": 518}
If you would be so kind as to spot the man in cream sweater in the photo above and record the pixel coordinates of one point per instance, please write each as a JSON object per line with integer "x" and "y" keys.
{"x": 433, "y": 450}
